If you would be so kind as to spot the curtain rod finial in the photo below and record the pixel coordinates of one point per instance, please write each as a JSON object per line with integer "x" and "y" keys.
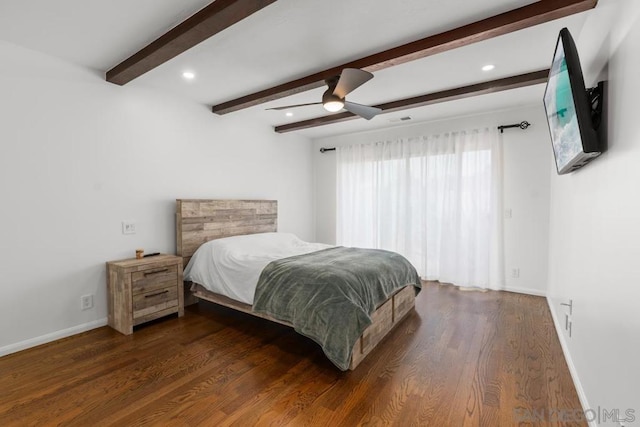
{"x": 522, "y": 125}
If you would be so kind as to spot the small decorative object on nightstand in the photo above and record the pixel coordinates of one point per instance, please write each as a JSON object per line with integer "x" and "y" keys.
{"x": 140, "y": 290}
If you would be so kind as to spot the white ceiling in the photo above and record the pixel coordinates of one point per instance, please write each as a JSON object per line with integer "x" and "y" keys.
{"x": 291, "y": 39}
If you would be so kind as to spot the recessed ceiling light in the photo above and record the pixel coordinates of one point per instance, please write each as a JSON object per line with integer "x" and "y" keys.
{"x": 189, "y": 75}
{"x": 288, "y": 114}
{"x": 488, "y": 67}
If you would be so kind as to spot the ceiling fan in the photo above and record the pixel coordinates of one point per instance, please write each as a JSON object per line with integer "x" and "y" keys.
{"x": 333, "y": 99}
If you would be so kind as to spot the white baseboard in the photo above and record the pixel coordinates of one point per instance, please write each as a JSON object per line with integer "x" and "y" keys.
{"x": 572, "y": 368}
{"x": 527, "y": 291}
{"x": 43, "y": 339}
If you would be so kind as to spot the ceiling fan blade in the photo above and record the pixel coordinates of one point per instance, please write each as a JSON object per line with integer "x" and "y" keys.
{"x": 363, "y": 111}
{"x": 286, "y": 107}
{"x": 350, "y": 79}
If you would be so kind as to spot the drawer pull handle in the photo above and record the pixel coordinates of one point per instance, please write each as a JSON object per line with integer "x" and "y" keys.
{"x": 156, "y": 294}
{"x": 156, "y": 272}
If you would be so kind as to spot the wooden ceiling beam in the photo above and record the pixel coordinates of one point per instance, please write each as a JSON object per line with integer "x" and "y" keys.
{"x": 492, "y": 86}
{"x": 517, "y": 19}
{"x": 210, "y": 20}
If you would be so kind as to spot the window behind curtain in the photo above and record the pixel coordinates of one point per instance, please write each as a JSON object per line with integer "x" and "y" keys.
{"x": 430, "y": 199}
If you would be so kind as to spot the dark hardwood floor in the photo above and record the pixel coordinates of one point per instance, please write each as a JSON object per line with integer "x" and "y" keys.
{"x": 463, "y": 358}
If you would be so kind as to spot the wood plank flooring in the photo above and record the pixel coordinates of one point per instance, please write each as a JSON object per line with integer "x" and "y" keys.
{"x": 462, "y": 358}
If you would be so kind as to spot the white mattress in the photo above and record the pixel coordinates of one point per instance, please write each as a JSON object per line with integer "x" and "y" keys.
{"x": 232, "y": 266}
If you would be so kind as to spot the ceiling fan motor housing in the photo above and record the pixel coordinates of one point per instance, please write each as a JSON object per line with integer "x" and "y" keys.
{"x": 328, "y": 96}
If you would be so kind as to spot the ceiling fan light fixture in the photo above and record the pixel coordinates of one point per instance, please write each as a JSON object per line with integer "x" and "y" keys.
{"x": 333, "y": 106}
{"x": 331, "y": 102}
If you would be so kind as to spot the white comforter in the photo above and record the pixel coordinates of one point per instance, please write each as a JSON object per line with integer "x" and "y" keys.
{"x": 232, "y": 266}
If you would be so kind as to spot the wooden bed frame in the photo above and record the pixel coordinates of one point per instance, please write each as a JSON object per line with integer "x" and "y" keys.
{"x": 201, "y": 220}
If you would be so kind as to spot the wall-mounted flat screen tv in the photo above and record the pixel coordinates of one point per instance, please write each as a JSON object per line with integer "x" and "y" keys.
{"x": 573, "y": 112}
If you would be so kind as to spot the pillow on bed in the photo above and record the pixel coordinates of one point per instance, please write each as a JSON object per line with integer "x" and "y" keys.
{"x": 256, "y": 243}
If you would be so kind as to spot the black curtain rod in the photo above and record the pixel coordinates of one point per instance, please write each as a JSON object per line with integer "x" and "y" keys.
{"x": 522, "y": 125}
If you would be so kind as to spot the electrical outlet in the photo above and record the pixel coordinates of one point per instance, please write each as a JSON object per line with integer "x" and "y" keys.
{"x": 508, "y": 213}
{"x": 86, "y": 302}
{"x": 128, "y": 227}
{"x": 515, "y": 273}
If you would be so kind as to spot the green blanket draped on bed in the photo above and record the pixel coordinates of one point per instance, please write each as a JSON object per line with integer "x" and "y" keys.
{"x": 329, "y": 295}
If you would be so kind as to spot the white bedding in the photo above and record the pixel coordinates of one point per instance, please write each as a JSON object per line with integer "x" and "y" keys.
{"x": 231, "y": 266}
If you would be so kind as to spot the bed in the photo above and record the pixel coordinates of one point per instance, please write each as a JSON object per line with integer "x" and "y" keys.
{"x": 201, "y": 221}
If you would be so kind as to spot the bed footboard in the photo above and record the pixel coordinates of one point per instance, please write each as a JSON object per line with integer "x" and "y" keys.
{"x": 385, "y": 318}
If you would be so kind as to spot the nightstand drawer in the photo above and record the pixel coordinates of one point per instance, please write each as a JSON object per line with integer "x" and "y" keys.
{"x": 157, "y": 300}
{"x": 153, "y": 279}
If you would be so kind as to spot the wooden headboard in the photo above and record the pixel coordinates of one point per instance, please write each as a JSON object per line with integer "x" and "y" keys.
{"x": 201, "y": 220}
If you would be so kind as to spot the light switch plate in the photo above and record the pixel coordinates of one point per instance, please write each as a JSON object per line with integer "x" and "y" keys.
{"x": 128, "y": 227}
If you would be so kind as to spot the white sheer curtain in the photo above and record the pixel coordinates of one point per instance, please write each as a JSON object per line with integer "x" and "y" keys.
{"x": 436, "y": 200}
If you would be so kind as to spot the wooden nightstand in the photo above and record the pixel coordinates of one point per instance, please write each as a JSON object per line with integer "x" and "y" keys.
{"x": 140, "y": 290}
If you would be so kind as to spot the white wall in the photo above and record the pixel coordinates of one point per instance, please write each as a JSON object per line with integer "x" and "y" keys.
{"x": 79, "y": 155}
{"x": 595, "y": 224}
{"x": 527, "y": 160}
